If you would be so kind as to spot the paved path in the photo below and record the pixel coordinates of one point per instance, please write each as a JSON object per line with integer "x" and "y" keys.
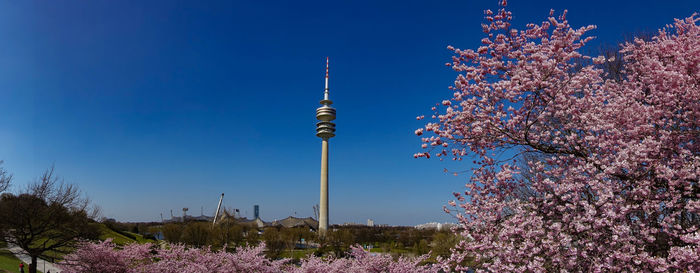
{"x": 20, "y": 254}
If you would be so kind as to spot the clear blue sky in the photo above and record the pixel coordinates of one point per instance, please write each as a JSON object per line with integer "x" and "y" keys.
{"x": 156, "y": 105}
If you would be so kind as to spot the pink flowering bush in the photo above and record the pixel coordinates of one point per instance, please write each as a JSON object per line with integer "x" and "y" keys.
{"x": 135, "y": 258}
{"x": 362, "y": 261}
{"x": 96, "y": 258}
{"x": 611, "y": 167}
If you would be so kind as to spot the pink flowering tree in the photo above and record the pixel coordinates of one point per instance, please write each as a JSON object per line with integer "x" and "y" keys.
{"x": 146, "y": 258}
{"x": 576, "y": 173}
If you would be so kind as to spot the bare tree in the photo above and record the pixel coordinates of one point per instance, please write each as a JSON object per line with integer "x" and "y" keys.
{"x": 5, "y": 178}
{"x": 49, "y": 215}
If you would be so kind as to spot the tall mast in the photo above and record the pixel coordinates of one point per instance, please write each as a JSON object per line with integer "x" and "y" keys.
{"x": 218, "y": 208}
{"x": 325, "y": 129}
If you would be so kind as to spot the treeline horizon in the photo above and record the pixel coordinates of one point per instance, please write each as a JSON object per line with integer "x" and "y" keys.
{"x": 283, "y": 242}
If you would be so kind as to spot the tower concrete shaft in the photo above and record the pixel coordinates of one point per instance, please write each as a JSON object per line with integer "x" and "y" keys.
{"x": 323, "y": 210}
{"x": 325, "y": 129}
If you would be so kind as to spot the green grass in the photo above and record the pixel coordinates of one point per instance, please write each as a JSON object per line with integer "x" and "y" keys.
{"x": 105, "y": 233}
{"x": 119, "y": 239}
{"x": 393, "y": 250}
{"x": 297, "y": 253}
{"x": 8, "y": 262}
{"x": 140, "y": 239}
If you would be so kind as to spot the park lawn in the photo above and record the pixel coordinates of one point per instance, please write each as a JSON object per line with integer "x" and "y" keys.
{"x": 140, "y": 239}
{"x": 54, "y": 255}
{"x": 105, "y": 233}
{"x": 8, "y": 261}
{"x": 120, "y": 239}
{"x": 393, "y": 250}
{"x": 298, "y": 253}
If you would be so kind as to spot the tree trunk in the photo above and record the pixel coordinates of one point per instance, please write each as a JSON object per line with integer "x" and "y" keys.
{"x": 32, "y": 266}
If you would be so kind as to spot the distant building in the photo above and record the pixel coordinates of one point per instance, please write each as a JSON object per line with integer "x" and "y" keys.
{"x": 292, "y": 222}
{"x": 257, "y": 222}
{"x": 233, "y": 216}
{"x": 187, "y": 218}
{"x": 203, "y": 218}
{"x": 436, "y": 226}
{"x": 370, "y": 222}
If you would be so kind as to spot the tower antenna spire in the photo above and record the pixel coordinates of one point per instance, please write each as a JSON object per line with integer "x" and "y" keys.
{"x": 325, "y": 93}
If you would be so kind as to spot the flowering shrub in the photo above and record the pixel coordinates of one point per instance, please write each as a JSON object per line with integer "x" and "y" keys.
{"x": 362, "y": 261}
{"x": 611, "y": 167}
{"x": 135, "y": 258}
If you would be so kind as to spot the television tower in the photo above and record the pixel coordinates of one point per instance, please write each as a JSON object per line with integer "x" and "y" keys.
{"x": 325, "y": 129}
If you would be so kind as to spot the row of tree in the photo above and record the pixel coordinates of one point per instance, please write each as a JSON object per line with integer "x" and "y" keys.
{"x": 204, "y": 233}
{"x": 280, "y": 240}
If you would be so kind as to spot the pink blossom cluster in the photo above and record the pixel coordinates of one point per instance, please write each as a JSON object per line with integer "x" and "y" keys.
{"x": 362, "y": 261}
{"x": 142, "y": 258}
{"x": 133, "y": 258}
{"x": 600, "y": 175}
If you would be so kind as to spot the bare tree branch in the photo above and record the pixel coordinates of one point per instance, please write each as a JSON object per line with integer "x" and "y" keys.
{"x": 5, "y": 178}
